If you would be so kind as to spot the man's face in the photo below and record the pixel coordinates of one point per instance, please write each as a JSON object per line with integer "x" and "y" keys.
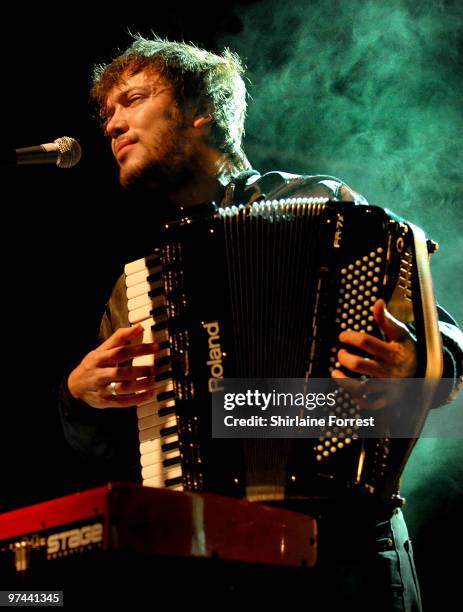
{"x": 149, "y": 137}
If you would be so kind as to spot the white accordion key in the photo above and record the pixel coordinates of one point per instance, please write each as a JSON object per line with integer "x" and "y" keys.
{"x": 150, "y": 458}
{"x": 147, "y": 335}
{"x": 173, "y": 471}
{"x": 140, "y": 278}
{"x": 143, "y": 360}
{"x": 145, "y": 263}
{"x": 162, "y": 430}
{"x": 151, "y": 452}
{"x": 143, "y": 299}
{"x": 142, "y": 290}
{"x": 142, "y": 307}
{"x": 163, "y": 386}
{"x": 158, "y": 457}
{"x": 150, "y": 444}
{"x": 152, "y": 407}
{"x": 155, "y": 446}
{"x": 154, "y": 482}
{"x": 149, "y": 325}
{"x": 159, "y": 480}
{"x": 152, "y": 420}
{"x": 155, "y": 458}
{"x": 142, "y": 313}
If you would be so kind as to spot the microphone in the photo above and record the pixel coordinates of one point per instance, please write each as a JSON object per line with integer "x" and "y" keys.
{"x": 65, "y": 152}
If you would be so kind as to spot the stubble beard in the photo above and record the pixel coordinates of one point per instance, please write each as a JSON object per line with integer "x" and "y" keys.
{"x": 170, "y": 168}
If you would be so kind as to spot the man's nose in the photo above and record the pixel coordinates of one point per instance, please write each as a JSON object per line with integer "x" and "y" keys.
{"x": 117, "y": 124}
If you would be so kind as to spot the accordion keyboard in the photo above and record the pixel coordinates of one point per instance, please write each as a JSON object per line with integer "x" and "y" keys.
{"x": 157, "y": 422}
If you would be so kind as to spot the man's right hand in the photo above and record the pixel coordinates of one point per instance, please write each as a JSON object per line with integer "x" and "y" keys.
{"x": 90, "y": 381}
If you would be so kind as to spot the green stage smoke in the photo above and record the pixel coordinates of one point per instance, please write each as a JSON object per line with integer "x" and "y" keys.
{"x": 371, "y": 92}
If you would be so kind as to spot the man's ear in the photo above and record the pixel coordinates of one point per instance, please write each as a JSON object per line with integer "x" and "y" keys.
{"x": 201, "y": 120}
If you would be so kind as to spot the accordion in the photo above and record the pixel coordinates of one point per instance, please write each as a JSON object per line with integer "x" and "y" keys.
{"x": 263, "y": 290}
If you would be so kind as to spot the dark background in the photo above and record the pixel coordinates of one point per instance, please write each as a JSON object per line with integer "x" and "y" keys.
{"x": 67, "y": 234}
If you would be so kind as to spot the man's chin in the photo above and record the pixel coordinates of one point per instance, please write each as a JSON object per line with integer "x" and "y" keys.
{"x": 137, "y": 178}
{"x": 154, "y": 178}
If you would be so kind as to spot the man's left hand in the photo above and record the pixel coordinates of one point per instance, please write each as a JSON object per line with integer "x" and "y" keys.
{"x": 394, "y": 357}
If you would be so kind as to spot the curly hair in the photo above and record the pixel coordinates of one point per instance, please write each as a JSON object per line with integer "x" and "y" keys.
{"x": 212, "y": 83}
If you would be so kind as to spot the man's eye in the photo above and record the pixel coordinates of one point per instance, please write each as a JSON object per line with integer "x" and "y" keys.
{"x": 133, "y": 100}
